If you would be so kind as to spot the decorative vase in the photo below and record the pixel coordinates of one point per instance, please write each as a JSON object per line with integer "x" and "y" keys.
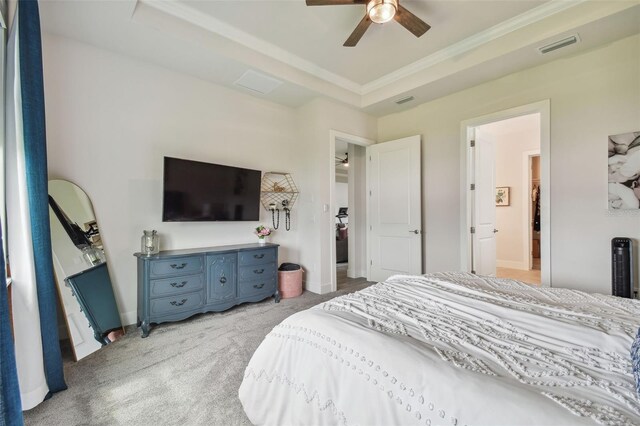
{"x": 150, "y": 243}
{"x": 262, "y": 240}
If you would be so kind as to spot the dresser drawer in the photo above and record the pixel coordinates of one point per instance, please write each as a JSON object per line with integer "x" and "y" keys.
{"x": 177, "y": 266}
{"x": 256, "y": 257}
{"x": 257, "y": 272}
{"x": 266, "y": 286}
{"x": 176, "y": 285}
{"x": 176, "y": 304}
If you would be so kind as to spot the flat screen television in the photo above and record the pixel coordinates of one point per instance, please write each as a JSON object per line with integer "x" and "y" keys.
{"x": 194, "y": 191}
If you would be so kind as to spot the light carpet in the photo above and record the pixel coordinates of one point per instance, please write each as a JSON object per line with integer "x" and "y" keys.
{"x": 185, "y": 373}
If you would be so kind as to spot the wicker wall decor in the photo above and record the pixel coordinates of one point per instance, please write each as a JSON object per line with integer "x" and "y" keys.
{"x": 278, "y": 191}
{"x": 277, "y": 187}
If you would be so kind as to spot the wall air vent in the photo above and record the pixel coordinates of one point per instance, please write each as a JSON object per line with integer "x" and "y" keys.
{"x": 257, "y": 82}
{"x": 567, "y": 41}
{"x": 404, "y": 100}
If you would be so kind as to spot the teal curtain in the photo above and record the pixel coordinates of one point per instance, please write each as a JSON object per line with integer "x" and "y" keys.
{"x": 10, "y": 405}
{"x": 35, "y": 152}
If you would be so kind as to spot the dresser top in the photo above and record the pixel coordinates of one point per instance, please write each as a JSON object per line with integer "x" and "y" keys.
{"x": 203, "y": 250}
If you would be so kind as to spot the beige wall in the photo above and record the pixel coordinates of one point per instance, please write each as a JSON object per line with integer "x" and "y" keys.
{"x": 342, "y": 198}
{"x": 315, "y": 121}
{"x": 512, "y": 139}
{"x": 592, "y": 95}
{"x": 110, "y": 121}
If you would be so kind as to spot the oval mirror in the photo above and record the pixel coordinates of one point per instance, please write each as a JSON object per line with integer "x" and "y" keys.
{"x": 82, "y": 276}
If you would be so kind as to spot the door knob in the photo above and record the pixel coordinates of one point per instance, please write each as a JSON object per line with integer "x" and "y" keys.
{"x": 415, "y": 231}
{"x": 495, "y": 230}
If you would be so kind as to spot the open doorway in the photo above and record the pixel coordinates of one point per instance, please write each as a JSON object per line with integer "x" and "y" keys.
{"x": 348, "y": 241}
{"x": 505, "y": 219}
{"x": 342, "y": 212}
{"x": 514, "y": 157}
{"x": 348, "y": 210}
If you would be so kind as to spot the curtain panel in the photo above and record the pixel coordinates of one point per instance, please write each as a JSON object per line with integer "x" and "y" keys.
{"x": 38, "y": 357}
{"x": 10, "y": 405}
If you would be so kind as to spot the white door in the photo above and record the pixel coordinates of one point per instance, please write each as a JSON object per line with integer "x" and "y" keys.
{"x": 395, "y": 209}
{"x": 484, "y": 203}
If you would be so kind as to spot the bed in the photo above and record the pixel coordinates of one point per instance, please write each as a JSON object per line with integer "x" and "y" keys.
{"x": 449, "y": 349}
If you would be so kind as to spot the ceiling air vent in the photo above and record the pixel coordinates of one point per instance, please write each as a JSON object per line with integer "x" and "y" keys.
{"x": 404, "y": 100}
{"x": 257, "y": 82}
{"x": 567, "y": 41}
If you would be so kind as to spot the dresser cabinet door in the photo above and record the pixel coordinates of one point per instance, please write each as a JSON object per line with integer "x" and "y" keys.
{"x": 221, "y": 277}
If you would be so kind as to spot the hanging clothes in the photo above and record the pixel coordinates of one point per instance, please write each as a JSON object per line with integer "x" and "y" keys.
{"x": 536, "y": 210}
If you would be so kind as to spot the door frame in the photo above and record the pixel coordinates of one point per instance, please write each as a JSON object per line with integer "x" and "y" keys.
{"x": 467, "y": 133}
{"x": 352, "y": 139}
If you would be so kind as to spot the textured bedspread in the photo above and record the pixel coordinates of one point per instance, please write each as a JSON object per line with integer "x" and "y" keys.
{"x": 449, "y": 349}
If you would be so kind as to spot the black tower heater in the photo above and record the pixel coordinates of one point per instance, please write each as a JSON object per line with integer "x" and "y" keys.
{"x": 622, "y": 282}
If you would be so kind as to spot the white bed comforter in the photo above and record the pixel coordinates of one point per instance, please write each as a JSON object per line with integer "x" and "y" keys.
{"x": 449, "y": 349}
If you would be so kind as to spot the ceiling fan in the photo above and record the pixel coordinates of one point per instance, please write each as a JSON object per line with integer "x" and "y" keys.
{"x": 378, "y": 11}
{"x": 343, "y": 161}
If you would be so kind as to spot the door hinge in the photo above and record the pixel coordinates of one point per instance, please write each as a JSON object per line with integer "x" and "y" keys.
{"x": 473, "y": 229}
{"x": 370, "y": 193}
{"x": 473, "y": 186}
{"x": 371, "y": 262}
{"x": 371, "y": 229}
{"x": 369, "y": 158}
{"x": 472, "y": 143}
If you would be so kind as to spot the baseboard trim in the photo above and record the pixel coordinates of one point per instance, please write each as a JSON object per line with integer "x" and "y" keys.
{"x": 510, "y": 264}
{"x": 325, "y": 288}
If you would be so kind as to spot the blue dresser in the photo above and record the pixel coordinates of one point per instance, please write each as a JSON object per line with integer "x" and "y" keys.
{"x": 176, "y": 284}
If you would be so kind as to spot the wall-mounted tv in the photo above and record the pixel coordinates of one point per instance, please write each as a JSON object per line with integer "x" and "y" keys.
{"x": 194, "y": 191}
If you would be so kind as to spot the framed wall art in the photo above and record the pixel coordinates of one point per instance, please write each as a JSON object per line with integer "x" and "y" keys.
{"x": 624, "y": 172}
{"x": 502, "y": 196}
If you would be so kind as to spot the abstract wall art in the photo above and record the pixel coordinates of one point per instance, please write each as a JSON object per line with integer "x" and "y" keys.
{"x": 624, "y": 171}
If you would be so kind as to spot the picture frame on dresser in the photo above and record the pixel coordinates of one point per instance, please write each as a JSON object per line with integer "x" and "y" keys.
{"x": 176, "y": 284}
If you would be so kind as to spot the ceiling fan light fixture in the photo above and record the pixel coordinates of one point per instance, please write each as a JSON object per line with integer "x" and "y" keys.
{"x": 343, "y": 161}
{"x": 381, "y": 11}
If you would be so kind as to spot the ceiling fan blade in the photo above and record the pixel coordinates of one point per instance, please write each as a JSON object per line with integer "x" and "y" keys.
{"x": 411, "y": 22}
{"x": 357, "y": 34}
{"x": 333, "y": 2}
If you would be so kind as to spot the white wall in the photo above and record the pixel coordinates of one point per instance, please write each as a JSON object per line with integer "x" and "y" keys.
{"x": 110, "y": 121}
{"x": 512, "y": 139}
{"x": 357, "y": 212}
{"x": 315, "y": 121}
{"x": 342, "y": 198}
{"x": 592, "y": 95}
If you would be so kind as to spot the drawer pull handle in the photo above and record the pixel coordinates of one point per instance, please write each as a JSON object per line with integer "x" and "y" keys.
{"x": 258, "y": 256}
{"x": 176, "y": 303}
{"x": 176, "y": 285}
{"x": 223, "y": 280}
{"x": 174, "y": 266}
{"x": 258, "y": 286}
{"x": 258, "y": 271}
